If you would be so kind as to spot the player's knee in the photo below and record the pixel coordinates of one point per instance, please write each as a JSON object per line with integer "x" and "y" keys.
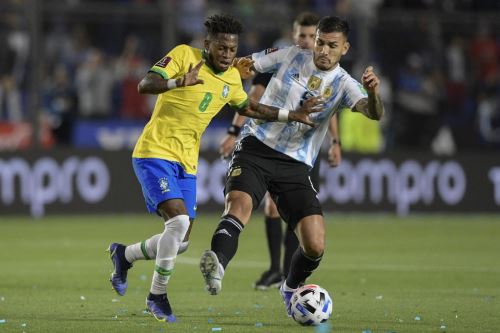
{"x": 239, "y": 204}
{"x": 183, "y": 247}
{"x": 314, "y": 249}
{"x": 178, "y": 225}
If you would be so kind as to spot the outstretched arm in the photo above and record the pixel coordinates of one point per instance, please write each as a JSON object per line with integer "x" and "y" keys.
{"x": 229, "y": 142}
{"x": 271, "y": 113}
{"x": 372, "y": 107}
{"x": 153, "y": 83}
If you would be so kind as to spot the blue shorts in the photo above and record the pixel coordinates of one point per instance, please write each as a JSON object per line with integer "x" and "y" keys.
{"x": 163, "y": 180}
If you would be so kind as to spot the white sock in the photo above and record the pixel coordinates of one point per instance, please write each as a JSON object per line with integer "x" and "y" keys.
{"x": 168, "y": 245}
{"x": 142, "y": 250}
{"x": 146, "y": 250}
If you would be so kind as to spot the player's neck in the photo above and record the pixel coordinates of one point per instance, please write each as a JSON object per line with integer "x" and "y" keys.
{"x": 209, "y": 63}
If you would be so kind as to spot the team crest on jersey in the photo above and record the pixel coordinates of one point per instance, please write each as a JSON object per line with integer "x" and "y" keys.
{"x": 314, "y": 83}
{"x": 163, "y": 185}
{"x": 163, "y": 62}
{"x": 235, "y": 172}
{"x": 225, "y": 91}
{"x": 271, "y": 50}
{"x": 328, "y": 92}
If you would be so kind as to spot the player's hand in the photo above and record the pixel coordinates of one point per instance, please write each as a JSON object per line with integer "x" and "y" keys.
{"x": 227, "y": 145}
{"x": 370, "y": 81}
{"x": 191, "y": 77}
{"x": 334, "y": 155}
{"x": 244, "y": 66}
{"x": 313, "y": 104}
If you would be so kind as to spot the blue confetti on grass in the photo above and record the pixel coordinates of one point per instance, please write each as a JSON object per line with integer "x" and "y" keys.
{"x": 323, "y": 328}
{"x": 417, "y": 318}
{"x": 259, "y": 324}
{"x": 216, "y": 329}
{"x": 210, "y": 320}
{"x": 3, "y": 321}
{"x": 367, "y": 331}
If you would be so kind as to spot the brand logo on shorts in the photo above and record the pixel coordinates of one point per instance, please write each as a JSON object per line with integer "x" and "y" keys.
{"x": 163, "y": 185}
{"x": 235, "y": 172}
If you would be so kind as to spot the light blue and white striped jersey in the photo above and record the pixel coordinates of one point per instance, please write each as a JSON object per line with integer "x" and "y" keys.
{"x": 295, "y": 79}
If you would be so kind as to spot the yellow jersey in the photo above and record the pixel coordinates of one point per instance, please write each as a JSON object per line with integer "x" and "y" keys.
{"x": 182, "y": 114}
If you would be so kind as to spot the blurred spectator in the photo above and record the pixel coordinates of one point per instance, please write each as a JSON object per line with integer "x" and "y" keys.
{"x": 14, "y": 51}
{"x": 485, "y": 54}
{"x": 130, "y": 69}
{"x": 489, "y": 117}
{"x": 94, "y": 85}
{"x": 416, "y": 114}
{"x": 59, "y": 105}
{"x": 69, "y": 49}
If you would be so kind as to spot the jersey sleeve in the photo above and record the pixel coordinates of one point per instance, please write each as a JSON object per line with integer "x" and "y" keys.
{"x": 269, "y": 59}
{"x": 171, "y": 64}
{"x": 239, "y": 99}
{"x": 354, "y": 91}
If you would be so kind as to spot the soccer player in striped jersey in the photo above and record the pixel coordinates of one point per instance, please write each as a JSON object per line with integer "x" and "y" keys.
{"x": 276, "y": 157}
{"x": 304, "y": 34}
{"x": 192, "y": 86}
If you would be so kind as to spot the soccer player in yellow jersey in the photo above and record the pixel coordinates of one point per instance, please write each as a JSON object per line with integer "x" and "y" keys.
{"x": 192, "y": 86}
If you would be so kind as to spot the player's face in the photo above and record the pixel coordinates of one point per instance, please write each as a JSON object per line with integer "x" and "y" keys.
{"x": 329, "y": 47}
{"x": 304, "y": 35}
{"x": 221, "y": 50}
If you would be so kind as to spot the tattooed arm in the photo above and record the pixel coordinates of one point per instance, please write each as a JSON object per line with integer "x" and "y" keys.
{"x": 270, "y": 113}
{"x": 372, "y": 107}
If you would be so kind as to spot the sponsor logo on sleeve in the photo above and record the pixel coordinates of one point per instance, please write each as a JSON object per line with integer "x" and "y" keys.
{"x": 163, "y": 62}
{"x": 271, "y": 50}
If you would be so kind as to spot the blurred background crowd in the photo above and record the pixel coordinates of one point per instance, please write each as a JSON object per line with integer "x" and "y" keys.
{"x": 67, "y": 65}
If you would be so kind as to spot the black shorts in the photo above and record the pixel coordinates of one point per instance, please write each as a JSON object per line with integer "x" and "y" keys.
{"x": 256, "y": 168}
{"x": 314, "y": 174}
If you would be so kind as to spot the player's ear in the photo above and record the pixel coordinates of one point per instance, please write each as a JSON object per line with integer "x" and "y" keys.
{"x": 206, "y": 44}
{"x": 346, "y": 48}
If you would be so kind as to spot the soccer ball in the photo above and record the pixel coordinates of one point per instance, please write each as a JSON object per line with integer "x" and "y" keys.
{"x": 311, "y": 305}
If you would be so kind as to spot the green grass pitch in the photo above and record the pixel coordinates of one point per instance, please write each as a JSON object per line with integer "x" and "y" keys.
{"x": 426, "y": 273}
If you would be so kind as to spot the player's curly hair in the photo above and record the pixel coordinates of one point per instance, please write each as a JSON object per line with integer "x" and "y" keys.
{"x": 223, "y": 24}
{"x": 333, "y": 24}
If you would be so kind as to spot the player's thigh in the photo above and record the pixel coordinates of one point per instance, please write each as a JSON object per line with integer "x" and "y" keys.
{"x": 248, "y": 177}
{"x": 314, "y": 174}
{"x": 295, "y": 204}
{"x": 160, "y": 187}
{"x": 270, "y": 208}
{"x": 310, "y": 231}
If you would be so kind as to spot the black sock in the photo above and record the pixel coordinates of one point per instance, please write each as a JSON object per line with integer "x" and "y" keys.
{"x": 274, "y": 235}
{"x": 225, "y": 238}
{"x": 291, "y": 244}
{"x": 301, "y": 268}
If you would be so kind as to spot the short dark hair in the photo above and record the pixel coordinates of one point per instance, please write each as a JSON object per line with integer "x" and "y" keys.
{"x": 223, "y": 24}
{"x": 333, "y": 24}
{"x": 306, "y": 19}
